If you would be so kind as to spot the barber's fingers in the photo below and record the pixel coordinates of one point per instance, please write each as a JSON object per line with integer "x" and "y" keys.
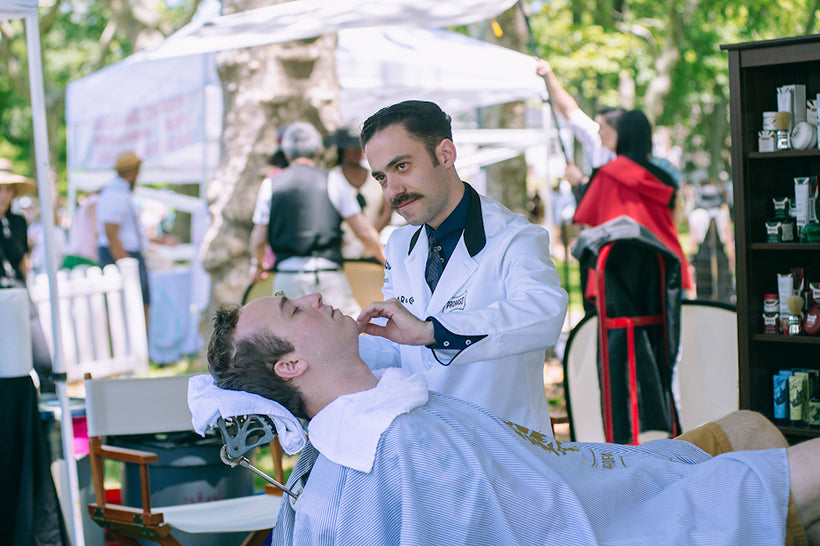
{"x": 377, "y": 309}
{"x": 374, "y": 330}
{"x": 402, "y": 326}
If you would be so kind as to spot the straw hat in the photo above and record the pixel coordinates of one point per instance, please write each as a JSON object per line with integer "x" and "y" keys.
{"x": 127, "y": 161}
{"x": 22, "y": 185}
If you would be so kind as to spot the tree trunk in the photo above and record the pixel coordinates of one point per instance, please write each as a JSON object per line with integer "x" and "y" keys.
{"x": 264, "y": 89}
{"x": 507, "y": 180}
{"x": 678, "y": 15}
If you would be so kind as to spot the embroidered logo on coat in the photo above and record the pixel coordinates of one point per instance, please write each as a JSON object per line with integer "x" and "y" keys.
{"x": 404, "y": 299}
{"x": 455, "y": 304}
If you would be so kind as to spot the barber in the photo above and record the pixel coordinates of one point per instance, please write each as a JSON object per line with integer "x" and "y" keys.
{"x": 472, "y": 296}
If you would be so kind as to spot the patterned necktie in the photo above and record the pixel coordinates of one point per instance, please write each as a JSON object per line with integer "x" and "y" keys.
{"x": 435, "y": 263}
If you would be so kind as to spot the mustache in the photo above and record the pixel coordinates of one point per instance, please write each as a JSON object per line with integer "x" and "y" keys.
{"x": 397, "y": 201}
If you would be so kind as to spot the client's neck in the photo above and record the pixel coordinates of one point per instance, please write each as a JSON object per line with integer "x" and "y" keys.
{"x": 324, "y": 387}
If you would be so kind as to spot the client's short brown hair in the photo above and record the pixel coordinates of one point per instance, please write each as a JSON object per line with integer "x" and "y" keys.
{"x": 247, "y": 364}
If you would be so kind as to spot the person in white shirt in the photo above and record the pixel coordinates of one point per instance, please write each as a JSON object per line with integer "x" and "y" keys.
{"x": 599, "y": 136}
{"x": 368, "y": 192}
{"x": 299, "y": 213}
{"x": 120, "y": 232}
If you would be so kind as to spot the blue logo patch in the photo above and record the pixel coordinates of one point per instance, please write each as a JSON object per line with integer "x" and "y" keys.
{"x": 456, "y": 304}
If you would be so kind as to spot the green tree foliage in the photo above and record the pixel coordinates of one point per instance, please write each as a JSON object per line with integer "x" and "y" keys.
{"x": 663, "y": 57}
{"x": 78, "y": 37}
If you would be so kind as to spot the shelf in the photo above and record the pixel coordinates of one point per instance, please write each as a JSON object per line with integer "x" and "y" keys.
{"x": 814, "y": 152}
{"x": 777, "y": 338}
{"x": 785, "y": 246}
{"x": 799, "y": 431}
{"x": 756, "y": 69}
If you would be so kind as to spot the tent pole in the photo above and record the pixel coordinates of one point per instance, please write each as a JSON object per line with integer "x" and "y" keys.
{"x": 38, "y": 111}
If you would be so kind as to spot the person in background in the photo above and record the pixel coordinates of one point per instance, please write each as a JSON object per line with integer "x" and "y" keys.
{"x": 599, "y": 137}
{"x": 13, "y": 251}
{"x": 278, "y": 162}
{"x": 632, "y": 185}
{"x": 300, "y": 215}
{"x": 368, "y": 192}
{"x": 472, "y": 297}
{"x": 36, "y": 237}
{"x": 120, "y": 233}
{"x": 82, "y": 233}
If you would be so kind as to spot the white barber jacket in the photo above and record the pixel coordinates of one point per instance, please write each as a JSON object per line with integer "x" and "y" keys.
{"x": 505, "y": 288}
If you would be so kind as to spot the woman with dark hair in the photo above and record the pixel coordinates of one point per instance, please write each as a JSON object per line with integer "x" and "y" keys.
{"x": 631, "y": 185}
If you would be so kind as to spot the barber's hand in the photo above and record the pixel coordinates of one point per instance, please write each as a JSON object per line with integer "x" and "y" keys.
{"x": 402, "y": 326}
{"x": 542, "y": 67}
{"x": 574, "y": 175}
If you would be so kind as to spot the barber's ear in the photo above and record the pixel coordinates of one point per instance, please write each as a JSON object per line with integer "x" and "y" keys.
{"x": 446, "y": 153}
{"x": 289, "y": 367}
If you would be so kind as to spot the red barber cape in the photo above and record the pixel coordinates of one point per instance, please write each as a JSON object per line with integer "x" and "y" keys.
{"x": 622, "y": 187}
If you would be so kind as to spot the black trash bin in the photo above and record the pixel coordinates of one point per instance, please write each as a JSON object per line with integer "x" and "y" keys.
{"x": 189, "y": 471}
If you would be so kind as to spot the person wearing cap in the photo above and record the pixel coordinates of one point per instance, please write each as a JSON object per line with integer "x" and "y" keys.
{"x": 368, "y": 192}
{"x": 13, "y": 251}
{"x": 120, "y": 233}
{"x": 300, "y": 213}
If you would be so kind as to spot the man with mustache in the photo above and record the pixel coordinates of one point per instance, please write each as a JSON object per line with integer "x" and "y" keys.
{"x": 472, "y": 298}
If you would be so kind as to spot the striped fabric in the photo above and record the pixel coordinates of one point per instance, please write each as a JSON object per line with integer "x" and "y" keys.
{"x": 450, "y": 473}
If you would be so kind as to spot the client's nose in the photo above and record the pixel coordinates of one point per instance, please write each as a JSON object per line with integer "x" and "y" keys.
{"x": 314, "y": 300}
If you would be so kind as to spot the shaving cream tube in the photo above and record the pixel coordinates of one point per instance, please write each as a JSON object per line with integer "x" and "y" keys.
{"x": 785, "y": 286}
{"x": 801, "y": 198}
{"x": 781, "y": 395}
{"x": 796, "y": 394}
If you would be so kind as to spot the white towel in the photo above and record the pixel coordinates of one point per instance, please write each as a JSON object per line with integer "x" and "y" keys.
{"x": 208, "y": 402}
{"x": 347, "y": 431}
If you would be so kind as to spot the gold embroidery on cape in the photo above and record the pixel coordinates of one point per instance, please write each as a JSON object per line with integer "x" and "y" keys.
{"x": 541, "y": 440}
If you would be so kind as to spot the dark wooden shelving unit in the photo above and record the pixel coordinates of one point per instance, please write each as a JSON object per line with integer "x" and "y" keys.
{"x": 756, "y": 69}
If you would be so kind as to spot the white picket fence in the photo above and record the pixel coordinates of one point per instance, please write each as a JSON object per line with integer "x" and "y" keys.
{"x": 102, "y": 319}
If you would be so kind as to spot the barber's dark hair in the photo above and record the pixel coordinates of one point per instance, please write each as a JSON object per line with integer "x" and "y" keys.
{"x": 247, "y": 364}
{"x": 612, "y": 114}
{"x": 424, "y": 121}
{"x": 634, "y": 136}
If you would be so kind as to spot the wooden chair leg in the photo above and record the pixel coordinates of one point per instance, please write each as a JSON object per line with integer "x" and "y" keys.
{"x": 256, "y": 538}
{"x": 276, "y": 454}
{"x": 125, "y": 541}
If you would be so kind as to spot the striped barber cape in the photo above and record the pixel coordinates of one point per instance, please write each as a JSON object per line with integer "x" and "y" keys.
{"x": 448, "y": 472}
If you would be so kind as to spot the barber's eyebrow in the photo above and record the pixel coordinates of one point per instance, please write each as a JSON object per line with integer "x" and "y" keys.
{"x": 397, "y": 159}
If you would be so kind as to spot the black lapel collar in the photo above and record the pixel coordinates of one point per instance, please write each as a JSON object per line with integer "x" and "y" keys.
{"x": 474, "y": 236}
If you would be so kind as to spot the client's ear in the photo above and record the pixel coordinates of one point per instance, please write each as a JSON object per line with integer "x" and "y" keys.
{"x": 289, "y": 367}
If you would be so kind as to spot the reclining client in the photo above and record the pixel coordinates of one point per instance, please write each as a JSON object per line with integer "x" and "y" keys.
{"x": 389, "y": 462}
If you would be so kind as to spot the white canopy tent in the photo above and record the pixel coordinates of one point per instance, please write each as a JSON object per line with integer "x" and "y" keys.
{"x": 27, "y": 10}
{"x": 170, "y": 110}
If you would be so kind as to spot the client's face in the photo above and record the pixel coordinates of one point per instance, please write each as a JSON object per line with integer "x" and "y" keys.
{"x": 316, "y": 330}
